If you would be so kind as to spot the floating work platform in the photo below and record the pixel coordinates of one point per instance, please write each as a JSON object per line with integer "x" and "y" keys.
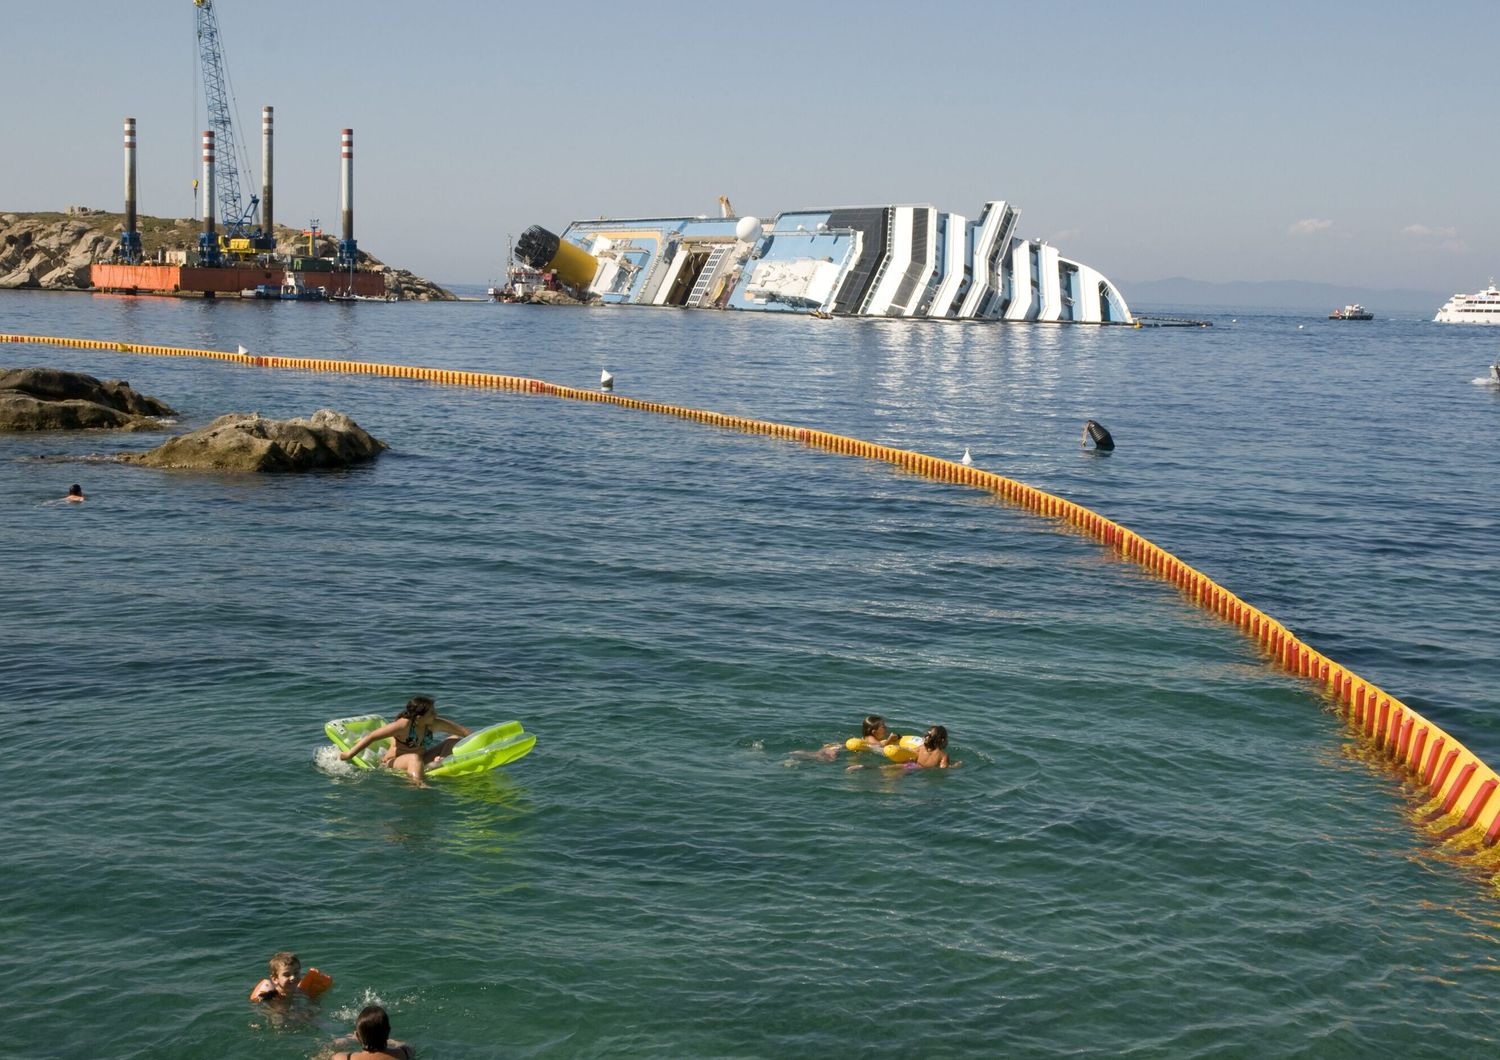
{"x": 188, "y": 280}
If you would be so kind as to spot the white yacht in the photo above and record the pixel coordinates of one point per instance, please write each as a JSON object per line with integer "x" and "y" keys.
{"x": 1481, "y": 308}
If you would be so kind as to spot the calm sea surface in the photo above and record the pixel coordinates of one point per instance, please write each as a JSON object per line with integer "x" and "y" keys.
{"x": 1157, "y": 844}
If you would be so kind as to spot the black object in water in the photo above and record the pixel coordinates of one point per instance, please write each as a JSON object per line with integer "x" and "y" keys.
{"x": 1099, "y": 433}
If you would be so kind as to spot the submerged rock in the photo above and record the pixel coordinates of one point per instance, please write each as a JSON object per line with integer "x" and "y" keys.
{"x": 46, "y": 399}
{"x": 247, "y": 441}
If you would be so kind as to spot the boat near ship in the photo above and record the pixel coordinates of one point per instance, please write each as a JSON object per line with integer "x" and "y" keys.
{"x": 1354, "y": 311}
{"x": 910, "y": 261}
{"x": 1480, "y": 308}
{"x": 292, "y": 289}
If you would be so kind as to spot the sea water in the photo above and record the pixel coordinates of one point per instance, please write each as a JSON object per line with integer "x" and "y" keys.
{"x": 1156, "y": 844}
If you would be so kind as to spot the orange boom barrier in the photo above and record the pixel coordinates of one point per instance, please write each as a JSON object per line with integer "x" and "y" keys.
{"x": 1458, "y": 789}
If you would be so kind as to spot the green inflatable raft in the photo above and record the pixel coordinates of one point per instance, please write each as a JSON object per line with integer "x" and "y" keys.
{"x": 480, "y": 750}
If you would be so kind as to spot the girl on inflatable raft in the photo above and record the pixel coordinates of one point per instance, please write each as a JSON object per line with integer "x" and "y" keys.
{"x": 414, "y": 743}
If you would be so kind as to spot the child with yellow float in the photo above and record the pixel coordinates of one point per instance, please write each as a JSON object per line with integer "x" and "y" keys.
{"x": 928, "y": 751}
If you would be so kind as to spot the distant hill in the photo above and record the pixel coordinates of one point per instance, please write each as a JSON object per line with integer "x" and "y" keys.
{"x": 1279, "y": 294}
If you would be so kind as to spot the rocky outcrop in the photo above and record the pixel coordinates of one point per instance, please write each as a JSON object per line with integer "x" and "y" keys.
{"x": 247, "y": 441}
{"x": 54, "y": 251}
{"x": 408, "y": 286}
{"x": 45, "y": 399}
{"x": 50, "y": 253}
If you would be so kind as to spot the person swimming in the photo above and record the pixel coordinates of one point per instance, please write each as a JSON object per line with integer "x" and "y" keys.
{"x": 372, "y": 1033}
{"x": 873, "y": 736}
{"x": 934, "y": 751}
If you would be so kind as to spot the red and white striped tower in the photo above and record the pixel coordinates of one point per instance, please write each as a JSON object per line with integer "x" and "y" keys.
{"x": 346, "y": 201}
{"x": 130, "y": 238}
{"x": 208, "y": 241}
{"x": 346, "y": 198}
{"x": 208, "y": 182}
{"x": 266, "y": 118}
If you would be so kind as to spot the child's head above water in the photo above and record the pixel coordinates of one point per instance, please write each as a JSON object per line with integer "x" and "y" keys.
{"x": 936, "y": 738}
{"x": 874, "y": 726}
{"x": 281, "y": 983}
{"x": 285, "y": 969}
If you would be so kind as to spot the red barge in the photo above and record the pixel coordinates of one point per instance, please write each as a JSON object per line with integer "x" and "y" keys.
{"x": 192, "y": 280}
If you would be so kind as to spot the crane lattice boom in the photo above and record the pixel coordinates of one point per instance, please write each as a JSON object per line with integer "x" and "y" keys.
{"x": 237, "y": 218}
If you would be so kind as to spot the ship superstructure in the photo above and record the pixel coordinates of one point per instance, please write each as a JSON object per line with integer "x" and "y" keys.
{"x": 1482, "y": 307}
{"x": 870, "y": 261}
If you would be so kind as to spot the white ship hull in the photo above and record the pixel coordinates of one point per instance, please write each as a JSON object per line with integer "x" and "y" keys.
{"x": 892, "y": 260}
{"x": 1481, "y": 308}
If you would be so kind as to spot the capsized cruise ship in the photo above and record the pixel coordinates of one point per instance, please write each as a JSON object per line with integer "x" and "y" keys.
{"x": 867, "y": 261}
{"x": 1481, "y": 308}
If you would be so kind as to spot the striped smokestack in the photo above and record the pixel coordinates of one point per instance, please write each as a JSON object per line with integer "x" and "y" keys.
{"x": 130, "y": 174}
{"x": 347, "y": 247}
{"x": 208, "y": 242}
{"x": 130, "y": 239}
{"x": 346, "y": 199}
{"x": 266, "y": 117}
{"x": 208, "y": 182}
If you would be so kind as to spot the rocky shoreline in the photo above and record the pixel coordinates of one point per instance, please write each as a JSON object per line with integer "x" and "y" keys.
{"x": 53, "y": 251}
{"x": 51, "y": 399}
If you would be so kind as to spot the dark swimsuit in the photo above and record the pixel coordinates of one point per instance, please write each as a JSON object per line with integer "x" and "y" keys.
{"x": 410, "y": 743}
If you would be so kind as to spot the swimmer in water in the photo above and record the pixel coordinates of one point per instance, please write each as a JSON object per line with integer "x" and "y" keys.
{"x": 372, "y": 1032}
{"x": 873, "y": 734}
{"x": 286, "y": 981}
{"x": 414, "y": 743}
{"x": 75, "y": 493}
{"x": 934, "y": 751}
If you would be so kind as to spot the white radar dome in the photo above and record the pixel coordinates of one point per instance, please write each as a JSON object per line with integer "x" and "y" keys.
{"x": 748, "y": 229}
{"x": 603, "y": 245}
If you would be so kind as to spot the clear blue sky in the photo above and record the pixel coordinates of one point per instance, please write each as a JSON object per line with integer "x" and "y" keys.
{"x": 1353, "y": 143}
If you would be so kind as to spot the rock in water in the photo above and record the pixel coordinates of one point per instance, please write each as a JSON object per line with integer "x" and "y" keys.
{"x": 247, "y": 441}
{"x": 45, "y": 399}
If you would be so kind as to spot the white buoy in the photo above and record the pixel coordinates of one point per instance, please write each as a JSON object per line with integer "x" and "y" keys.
{"x": 243, "y": 351}
{"x": 967, "y": 459}
{"x": 606, "y": 380}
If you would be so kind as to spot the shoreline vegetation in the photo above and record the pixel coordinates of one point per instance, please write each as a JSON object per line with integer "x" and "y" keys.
{"x": 52, "y": 251}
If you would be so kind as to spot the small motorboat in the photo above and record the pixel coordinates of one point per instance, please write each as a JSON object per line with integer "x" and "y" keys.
{"x": 1354, "y": 311}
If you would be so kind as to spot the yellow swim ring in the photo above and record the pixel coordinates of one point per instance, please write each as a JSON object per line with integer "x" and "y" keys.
{"x": 904, "y": 749}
